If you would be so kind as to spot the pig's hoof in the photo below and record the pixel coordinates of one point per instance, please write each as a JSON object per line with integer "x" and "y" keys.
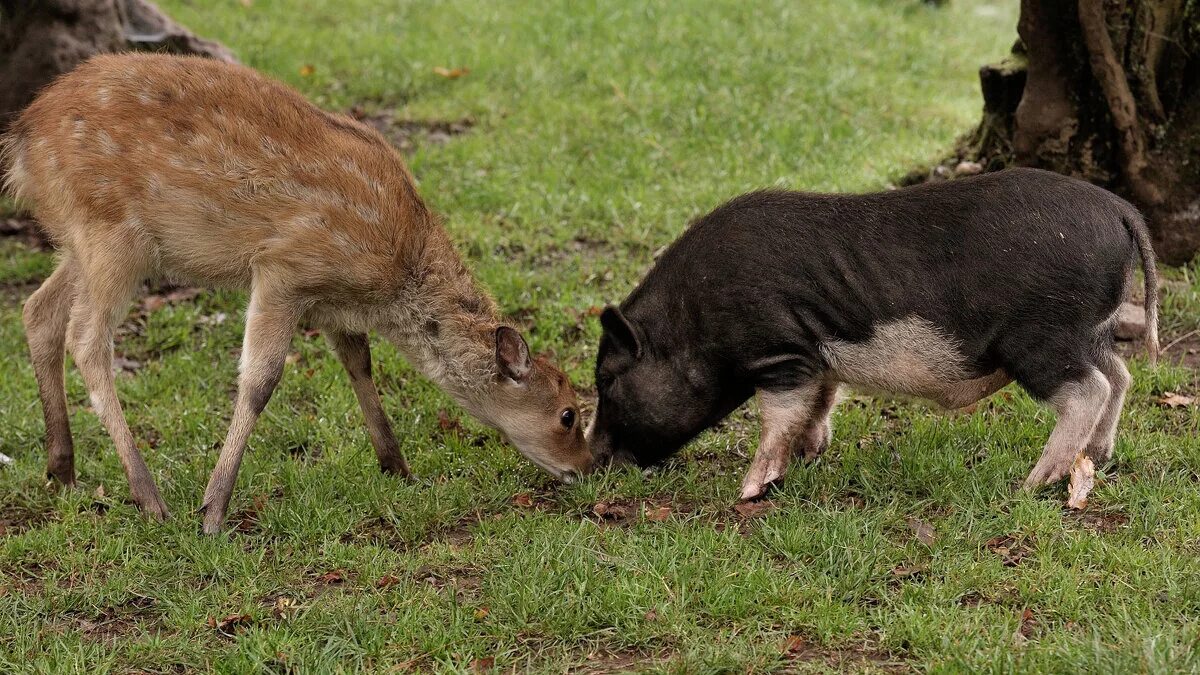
{"x": 1045, "y": 475}
{"x": 1100, "y": 455}
{"x": 758, "y": 489}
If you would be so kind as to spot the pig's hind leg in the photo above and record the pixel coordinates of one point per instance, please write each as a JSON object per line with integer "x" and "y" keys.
{"x": 794, "y": 422}
{"x": 1058, "y": 363}
{"x": 1100, "y": 448}
{"x": 1080, "y": 404}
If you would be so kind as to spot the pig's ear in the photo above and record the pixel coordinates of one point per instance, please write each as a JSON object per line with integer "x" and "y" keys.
{"x": 512, "y": 354}
{"x": 621, "y": 330}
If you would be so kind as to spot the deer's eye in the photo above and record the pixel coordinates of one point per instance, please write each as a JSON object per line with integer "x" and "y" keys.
{"x": 567, "y": 418}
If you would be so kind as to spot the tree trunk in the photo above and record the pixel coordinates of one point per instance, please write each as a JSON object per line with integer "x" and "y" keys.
{"x": 1109, "y": 91}
{"x": 41, "y": 39}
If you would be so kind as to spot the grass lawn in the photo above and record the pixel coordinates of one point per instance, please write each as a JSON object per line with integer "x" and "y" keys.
{"x": 585, "y": 135}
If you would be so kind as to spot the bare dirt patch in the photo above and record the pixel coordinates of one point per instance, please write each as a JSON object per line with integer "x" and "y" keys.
{"x": 1183, "y": 349}
{"x": 604, "y": 662}
{"x": 407, "y": 134}
{"x": 799, "y": 655}
{"x": 116, "y": 622}
{"x": 1011, "y": 550}
{"x": 1096, "y": 521}
{"x": 16, "y": 518}
{"x": 556, "y": 255}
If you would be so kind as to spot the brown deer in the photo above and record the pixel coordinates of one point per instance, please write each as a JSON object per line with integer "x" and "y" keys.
{"x": 145, "y": 167}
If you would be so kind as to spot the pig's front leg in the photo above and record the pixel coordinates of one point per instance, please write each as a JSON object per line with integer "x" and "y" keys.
{"x": 793, "y": 422}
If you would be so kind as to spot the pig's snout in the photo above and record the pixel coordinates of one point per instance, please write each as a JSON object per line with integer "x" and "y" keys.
{"x": 605, "y": 455}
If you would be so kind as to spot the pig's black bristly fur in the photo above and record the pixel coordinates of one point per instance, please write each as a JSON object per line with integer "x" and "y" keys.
{"x": 1019, "y": 267}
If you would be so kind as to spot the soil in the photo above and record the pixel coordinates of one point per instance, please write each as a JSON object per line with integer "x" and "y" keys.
{"x": 800, "y": 655}
{"x": 407, "y": 135}
{"x": 15, "y": 519}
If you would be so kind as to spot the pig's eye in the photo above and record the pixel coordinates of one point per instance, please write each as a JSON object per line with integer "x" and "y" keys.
{"x": 568, "y": 418}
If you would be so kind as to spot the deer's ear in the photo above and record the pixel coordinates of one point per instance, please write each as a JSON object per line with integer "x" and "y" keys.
{"x": 512, "y": 354}
{"x": 621, "y": 330}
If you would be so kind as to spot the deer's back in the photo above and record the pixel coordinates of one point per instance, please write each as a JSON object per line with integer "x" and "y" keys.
{"x": 211, "y": 169}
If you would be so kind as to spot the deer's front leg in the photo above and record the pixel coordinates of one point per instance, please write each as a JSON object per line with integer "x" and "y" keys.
{"x": 786, "y": 416}
{"x": 354, "y": 351}
{"x": 270, "y": 322}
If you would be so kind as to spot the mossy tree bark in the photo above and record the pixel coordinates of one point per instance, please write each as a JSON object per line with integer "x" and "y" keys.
{"x": 1109, "y": 91}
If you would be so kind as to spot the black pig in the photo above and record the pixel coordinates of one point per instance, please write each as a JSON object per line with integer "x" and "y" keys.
{"x": 943, "y": 291}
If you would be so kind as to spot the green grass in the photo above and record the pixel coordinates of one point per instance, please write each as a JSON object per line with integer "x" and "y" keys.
{"x": 601, "y": 128}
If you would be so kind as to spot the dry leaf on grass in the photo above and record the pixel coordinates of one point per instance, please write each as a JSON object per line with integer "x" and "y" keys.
{"x": 1083, "y": 477}
{"x": 610, "y": 511}
{"x": 450, "y": 73}
{"x": 658, "y": 514}
{"x": 1171, "y": 399}
{"x": 484, "y": 665}
{"x": 924, "y": 531}
{"x": 905, "y": 571}
{"x": 231, "y": 624}
{"x": 794, "y": 645}
{"x": 1024, "y": 628}
{"x": 283, "y": 607}
{"x": 523, "y": 500}
{"x": 446, "y": 422}
{"x": 387, "y": 581}
{"x": 334, "y": 577}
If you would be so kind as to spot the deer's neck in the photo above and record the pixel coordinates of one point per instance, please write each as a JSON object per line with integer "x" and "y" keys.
{"x": 445, "y": 325}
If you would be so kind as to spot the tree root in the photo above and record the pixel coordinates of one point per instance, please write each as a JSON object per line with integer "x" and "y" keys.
{"x": 1113, "y": 82}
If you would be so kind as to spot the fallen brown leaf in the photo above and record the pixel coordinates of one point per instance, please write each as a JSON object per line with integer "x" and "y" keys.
{"x": 1025, "y": 627}
{"x": 283, "y": 607}
{"x": 794, "y": 645}
{"x": 1010, "y": 551}
{"x": 608, "y": 511}
{"x": 483, "y": 665}
{"x": 658, "y": 514}
{"x": 1171, "y": 399}
{"x": 231, "y": 624}
{"x": 450, "y": 73}
{"x": 924, "y": 531}
{"x": 334, "y": 577}
{"x": 905, "y": 571}
{"x": 387, "y": 581}
{"x": 1083, "y": 477}
{"x": 523, "y": 500}
{"x": 446, "y": 422}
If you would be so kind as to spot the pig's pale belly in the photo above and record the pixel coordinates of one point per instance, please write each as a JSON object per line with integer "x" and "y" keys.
{"x": 912, "y": 357}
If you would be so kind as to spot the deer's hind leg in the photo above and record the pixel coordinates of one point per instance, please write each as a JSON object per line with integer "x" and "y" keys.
{"x": 46, "y": 315}
{"x": 108, "y": 276}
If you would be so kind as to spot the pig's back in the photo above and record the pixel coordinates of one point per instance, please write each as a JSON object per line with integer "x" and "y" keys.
{"x": 969, "y": 254}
